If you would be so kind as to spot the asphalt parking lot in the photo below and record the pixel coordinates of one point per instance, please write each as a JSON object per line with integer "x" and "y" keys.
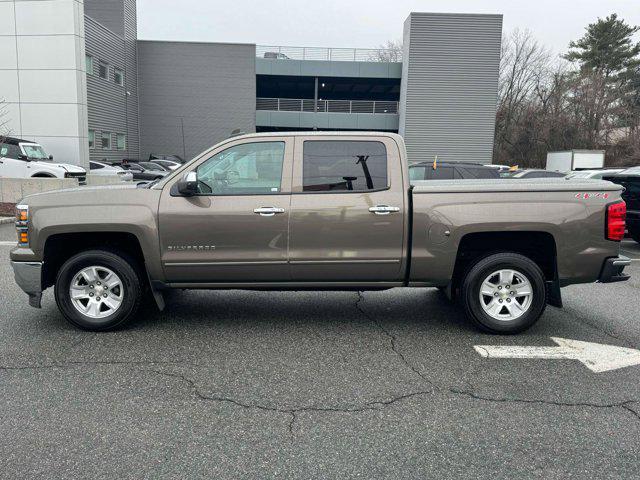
{"x": 315, "y": 385}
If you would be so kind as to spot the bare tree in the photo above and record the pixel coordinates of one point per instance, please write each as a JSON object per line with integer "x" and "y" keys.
{"x": 391, "y": 51}
{"x": 525, "y": 66}
{"x": 4, "y": 121}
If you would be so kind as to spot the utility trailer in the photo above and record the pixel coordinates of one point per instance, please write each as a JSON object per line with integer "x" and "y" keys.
{"x": 573, "y": 160}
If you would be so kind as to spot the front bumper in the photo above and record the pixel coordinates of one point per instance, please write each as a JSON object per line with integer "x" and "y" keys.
{"x": 613, "y": 270}
{"x": 29, "y": 278}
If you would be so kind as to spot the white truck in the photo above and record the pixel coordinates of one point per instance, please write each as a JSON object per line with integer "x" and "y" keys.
{"x": 25, "y": 159}
{"x": 573, "y": 160}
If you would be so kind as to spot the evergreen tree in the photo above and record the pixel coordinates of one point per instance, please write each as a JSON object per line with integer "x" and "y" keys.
{"x": 607, "y": 47}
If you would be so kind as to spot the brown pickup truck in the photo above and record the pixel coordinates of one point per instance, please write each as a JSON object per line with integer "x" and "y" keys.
{"x": 293, "y": 211}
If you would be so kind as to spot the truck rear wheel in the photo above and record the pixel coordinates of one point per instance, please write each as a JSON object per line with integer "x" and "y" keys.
{"x": 504, "y": 293}
{"x": 98, "y": 290}
{"x": 635, "y": 234}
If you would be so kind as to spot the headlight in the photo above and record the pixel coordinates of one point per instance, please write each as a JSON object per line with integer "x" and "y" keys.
{"x": 22, "y": 224}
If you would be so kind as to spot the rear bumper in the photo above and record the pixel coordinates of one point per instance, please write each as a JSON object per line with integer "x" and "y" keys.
{"x": 613, "y": 270}
{"x": 28, "y": 276}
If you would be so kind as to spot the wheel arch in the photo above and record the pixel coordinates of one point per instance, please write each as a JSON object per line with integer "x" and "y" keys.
{"x": 539, "y": 246}
{"x": 60, "y": 247}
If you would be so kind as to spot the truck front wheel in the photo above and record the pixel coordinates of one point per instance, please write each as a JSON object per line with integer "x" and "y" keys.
{"x": 98, "y": 290}
{"x": 504, "y": 293}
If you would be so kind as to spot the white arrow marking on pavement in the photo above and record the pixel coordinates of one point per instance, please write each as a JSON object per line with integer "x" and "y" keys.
{"x": 596, "y": 357}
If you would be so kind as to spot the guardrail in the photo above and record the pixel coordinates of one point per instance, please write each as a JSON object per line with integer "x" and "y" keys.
{"x": 329, "y": 54}
{"x": 326, "y": 106}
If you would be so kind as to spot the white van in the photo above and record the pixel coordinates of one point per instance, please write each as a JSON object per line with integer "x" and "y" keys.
{"x": 25, "y": 159}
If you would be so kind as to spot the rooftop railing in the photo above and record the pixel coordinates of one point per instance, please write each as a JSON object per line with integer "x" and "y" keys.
{"x": 326, "y": 106}
{"x": 329, "y": 54}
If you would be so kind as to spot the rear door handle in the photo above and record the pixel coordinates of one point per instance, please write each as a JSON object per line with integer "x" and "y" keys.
{"x": 384, "y": 209}
{"x": 268, "y": 211}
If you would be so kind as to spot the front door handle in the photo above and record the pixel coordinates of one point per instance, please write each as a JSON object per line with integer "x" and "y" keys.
{"x": 268, "y": 211}
{"x": 384, "y": 209}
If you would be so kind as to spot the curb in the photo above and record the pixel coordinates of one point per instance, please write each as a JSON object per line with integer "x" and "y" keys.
{"x": 6, "y": 220}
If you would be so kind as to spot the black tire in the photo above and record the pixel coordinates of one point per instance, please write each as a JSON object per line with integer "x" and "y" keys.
{"x": 476, "y": 275}
{"x": 123, "y": 266}
{"x": 635, "y": 234}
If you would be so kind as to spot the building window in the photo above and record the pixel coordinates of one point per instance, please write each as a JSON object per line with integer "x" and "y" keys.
{"x": 335, "y": 166}
{"x": 121, "y": 141}
{"x": 106, "y": 140}
{"x": 92, "y": 139}
{"x": 118, "y": 76}
{"x": 89, "y": 64}
{"x": 103, "y": 70}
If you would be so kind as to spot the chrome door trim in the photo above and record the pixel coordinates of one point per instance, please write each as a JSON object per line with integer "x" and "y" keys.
{"x": 223, "y": 264}
{"x": 343, "y": 262}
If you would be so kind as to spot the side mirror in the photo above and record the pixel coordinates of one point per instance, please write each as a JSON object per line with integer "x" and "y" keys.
{"x": 50, "y": 157}
{"x": 23, "y": 157}
{"x": 188, "y": 185}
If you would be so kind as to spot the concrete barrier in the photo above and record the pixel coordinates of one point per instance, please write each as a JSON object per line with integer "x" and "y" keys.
{"x": 12, "y": 190}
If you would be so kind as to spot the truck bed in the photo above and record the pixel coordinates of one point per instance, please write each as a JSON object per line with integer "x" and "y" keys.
{"x": 572, "y": 214}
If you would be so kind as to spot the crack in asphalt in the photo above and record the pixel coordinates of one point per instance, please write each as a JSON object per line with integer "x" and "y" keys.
{"x": 626, "y": 405}
{"x": 70, "y": 363}
{"x": 579, "y": 318}
{"x": 292, "y": 411}
{"x": 392, "y": 339}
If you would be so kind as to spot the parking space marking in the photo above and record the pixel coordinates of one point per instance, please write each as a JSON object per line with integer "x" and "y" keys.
{"x": 8, "y": 244}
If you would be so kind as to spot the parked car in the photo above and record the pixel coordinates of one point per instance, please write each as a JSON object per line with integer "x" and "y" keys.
{"x": 171, "y": 158}
{"x": 154, "y": 167}
{"x": 630, "y": 180}
{"x": 336, "y": 213}
{"x": 25, "y": 159}
{"x": 450, "y": 171}
{"x": 593, "y": 174}
{"x": 535, "y": 173}
{"x": 500, "y": 168}
{"x": 100, "y": 168}
{"x": 167, "y": 164}
{"x": 141, "y": 173}
{"x": 275, "y": 55}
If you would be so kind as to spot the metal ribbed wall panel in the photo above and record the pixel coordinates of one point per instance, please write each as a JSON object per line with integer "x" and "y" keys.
{"x": 112, "y": 107}
{"x": 210, "y": 88}
{"x": 449, "y": 86}
{"x": 109, "y": 13}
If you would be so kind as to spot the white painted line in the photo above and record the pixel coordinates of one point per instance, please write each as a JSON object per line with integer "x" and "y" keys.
{"x": 8, "y": 244}
{"x": 596, "y": 357}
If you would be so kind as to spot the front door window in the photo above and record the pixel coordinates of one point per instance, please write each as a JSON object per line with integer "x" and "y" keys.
{"x": 246, "y": 169}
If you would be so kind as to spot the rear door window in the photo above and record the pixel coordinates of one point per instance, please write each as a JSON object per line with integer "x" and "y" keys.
{"x": 341, "y": 165}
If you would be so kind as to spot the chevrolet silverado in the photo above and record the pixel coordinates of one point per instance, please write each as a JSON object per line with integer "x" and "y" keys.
{"x": 325, "y": 211}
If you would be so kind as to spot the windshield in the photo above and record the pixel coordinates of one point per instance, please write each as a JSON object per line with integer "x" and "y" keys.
{"x": 152, "y": 166}
{"x": 579, "y": 175}
{"x": 34, "y": 151}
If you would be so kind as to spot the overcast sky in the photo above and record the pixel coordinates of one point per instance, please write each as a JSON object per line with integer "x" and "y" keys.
{"x": 358, "y": 23}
